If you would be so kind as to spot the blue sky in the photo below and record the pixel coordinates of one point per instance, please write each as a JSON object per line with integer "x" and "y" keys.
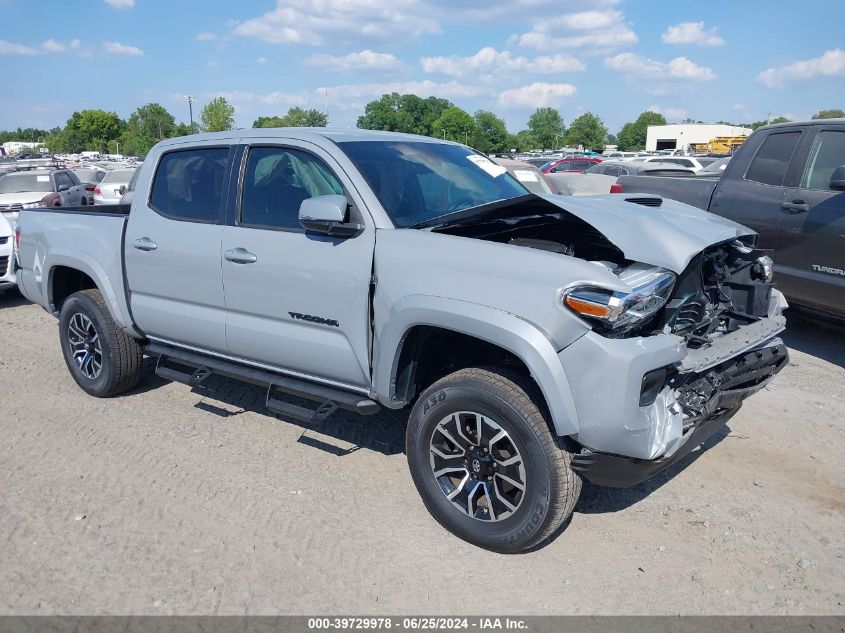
{"x": 724, "y": 59}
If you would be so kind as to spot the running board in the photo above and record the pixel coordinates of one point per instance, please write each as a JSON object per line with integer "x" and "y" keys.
{"x": 193, "y": 368}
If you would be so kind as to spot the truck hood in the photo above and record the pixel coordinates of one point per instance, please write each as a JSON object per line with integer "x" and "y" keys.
{"x": 668, "y": 236}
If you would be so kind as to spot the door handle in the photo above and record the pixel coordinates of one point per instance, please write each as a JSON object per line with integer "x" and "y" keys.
{"x": 796, "y": 206}
{"x": 240, "y": 256}
{"x": 145, "y": 244}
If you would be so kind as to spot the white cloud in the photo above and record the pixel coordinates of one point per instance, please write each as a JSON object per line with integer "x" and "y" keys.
{"x": 206, "y": 37}
{"x": 671, "y": 114}
{"x": 10, "y": 48}
{"x": 594, "y": 31}
{"x": 116, "y": 48}
{"x": 75, "y": 44}
{"x": 52, "y": 46}
{"x": 830, "y": 64}
{"x": 692, "y": 33}
{"x": 121, "y": 4}
{"x": 537, "y": 95}
{"x": 655, "y": 73}
{"x": 321, "y": 22}
{"x": 492, "y": 63}
{"x": 365, "y": 60}
{"x": 261, "y": 60}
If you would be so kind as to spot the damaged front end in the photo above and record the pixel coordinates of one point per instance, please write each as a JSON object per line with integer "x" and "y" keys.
{"x": 725, "y": 316}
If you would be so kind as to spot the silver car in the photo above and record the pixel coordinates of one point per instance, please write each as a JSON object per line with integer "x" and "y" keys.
{"x": 109, "y": 190}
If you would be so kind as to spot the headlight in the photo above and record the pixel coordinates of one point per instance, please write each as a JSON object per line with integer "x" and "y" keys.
{"x": 619, "y": 312}
{"x": 763, "y": 269}
{"x": 31, "y": 205}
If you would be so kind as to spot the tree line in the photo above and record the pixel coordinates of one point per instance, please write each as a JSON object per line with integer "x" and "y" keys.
{"x": 106, "y": 132}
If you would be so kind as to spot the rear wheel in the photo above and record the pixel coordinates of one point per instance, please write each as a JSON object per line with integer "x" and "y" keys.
{"x": 485, "y": 463}
{"x": 101, "y": 357}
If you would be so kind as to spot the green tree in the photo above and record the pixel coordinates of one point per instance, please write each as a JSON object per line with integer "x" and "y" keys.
{"x": 835, "y": 113}
{"x": 296, "y": 117}
{"x": 403, "y": 113}
{"x": 611, "y": 139}
{"x": 587, "y": 131}
{"x": 490, "y": 133}
{"x": 453, "y": 124}
{"x": 547, "y": 128}
{"x": 148, "y": 125}
{"x": 526, "y": 141}
{"x": 217, "y": 116}
{"x": 92, "y": 130}
{"x": 632, "y": 135}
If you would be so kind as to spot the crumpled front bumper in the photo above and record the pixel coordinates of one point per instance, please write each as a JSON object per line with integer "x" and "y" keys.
{"x": 620, "y": 420}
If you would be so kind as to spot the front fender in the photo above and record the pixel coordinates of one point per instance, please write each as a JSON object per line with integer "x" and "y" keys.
{"x": 494, "y": 326}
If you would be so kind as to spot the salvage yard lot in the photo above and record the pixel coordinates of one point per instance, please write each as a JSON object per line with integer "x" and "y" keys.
{"x": 172, "y": 500}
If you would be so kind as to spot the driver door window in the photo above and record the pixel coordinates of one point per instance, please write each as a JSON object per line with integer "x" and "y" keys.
{"x": 827, "y": 153}
{"x": 276, "y": 181}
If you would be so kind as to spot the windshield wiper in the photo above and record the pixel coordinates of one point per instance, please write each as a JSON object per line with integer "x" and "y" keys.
{"x": 478, "y": 211}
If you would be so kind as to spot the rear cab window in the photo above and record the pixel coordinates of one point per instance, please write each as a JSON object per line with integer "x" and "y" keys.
{"x": 188, "y": 184}
{"x": 771, "y": 162}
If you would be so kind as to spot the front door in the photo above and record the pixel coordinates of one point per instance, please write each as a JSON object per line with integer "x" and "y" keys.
{"x": 296, "y": 301}
{"x": 173, "y": 249}
{"x": 810, "y": 260}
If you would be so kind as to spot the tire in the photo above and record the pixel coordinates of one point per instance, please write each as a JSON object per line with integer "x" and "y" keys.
{"x": 506, "y": 403}
{"x": 119, "y": 355}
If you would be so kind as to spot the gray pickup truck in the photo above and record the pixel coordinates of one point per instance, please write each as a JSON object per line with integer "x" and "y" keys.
{"x": 787, "y": 182}
{"x": 537, "y": 339}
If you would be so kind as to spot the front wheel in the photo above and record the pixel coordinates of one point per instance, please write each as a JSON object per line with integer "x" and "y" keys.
{"x": 101, "y": 357}
{"x": 485, "y": 463}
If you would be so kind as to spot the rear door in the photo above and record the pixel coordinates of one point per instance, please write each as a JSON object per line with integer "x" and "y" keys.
{"x": 70, "y": 193}
{"x": 810, "y": 259}
{"x": 172, "y": 249}
{"x": 751, "y": 193}
{"x": 296, "y": 301}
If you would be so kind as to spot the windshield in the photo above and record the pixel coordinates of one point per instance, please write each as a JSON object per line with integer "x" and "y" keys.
{"x": 418, "y": 181}
{"x": 118, "y": 176}
{"x": 23, "y": 183}
{"x": 715, "y": 166}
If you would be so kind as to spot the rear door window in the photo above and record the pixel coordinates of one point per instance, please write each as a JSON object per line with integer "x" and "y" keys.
{"x": 772, "y": 160}
{"x": 188, "y": 184}
{"x": 827, "y": 153}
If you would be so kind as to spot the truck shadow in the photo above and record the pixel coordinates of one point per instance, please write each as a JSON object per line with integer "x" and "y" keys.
{"x": 11, "y": 299}
{"x": 824, "y": 339}
{"x": 598, "y": 499}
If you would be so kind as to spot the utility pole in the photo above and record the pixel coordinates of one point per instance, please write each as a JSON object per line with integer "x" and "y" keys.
{"x": 190, "y": 99}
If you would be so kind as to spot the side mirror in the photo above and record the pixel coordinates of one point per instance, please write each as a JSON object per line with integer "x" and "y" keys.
{"x": 122, "y": 189}
{"x": 837, "y": 179}
{"x": 63, "y": 187}
{"x": 326, "y": 215}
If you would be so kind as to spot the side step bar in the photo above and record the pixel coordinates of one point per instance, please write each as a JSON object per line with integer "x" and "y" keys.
{"x": 193, "y": 369}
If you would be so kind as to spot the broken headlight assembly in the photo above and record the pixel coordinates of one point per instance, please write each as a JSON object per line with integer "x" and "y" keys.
{"x": 616, "y": 313}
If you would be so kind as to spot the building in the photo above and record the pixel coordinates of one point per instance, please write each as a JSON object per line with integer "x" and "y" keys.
{"x": 16, "y": 147}
{"x": 680, "y": 135}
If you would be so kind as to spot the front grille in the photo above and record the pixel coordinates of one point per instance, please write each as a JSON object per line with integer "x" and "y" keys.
{"x": 4, "y": 265}
{"x": 11, "y": 207}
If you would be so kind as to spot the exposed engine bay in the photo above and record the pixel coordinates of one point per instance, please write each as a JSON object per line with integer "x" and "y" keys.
{"x": 723, "y": 288}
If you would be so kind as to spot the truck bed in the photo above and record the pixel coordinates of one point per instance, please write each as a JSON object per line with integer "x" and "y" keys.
{"x": 695, "y": 191}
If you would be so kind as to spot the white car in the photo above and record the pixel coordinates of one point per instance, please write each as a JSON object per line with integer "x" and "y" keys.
{"x": 25, "y": 189}
{"x": 690, "y": 162}
{"x": 113, "y": 186}
{"x": 7, "y": 254}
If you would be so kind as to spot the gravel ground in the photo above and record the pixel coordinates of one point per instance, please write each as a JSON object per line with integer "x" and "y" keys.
{"x": 172, "y": 500}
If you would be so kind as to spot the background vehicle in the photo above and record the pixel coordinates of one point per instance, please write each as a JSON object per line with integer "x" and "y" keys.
{"x": 7, "y": 252}
{"x": 787, "y": 182}
{"x": 626, "y": 168}
{"x": 22, "y": 189}
{"x": 571, "y": 164}
{"x": 90, "y": 177}
{"x": 113, "y": 186}
{"x": 694, "y": 163}
{"x": 538, "y": 339}
{"x": 528, "y": 175}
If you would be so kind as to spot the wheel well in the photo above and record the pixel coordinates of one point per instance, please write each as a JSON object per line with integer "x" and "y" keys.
{"x": 65, "y": 282}
{"x": 429, "y": 353}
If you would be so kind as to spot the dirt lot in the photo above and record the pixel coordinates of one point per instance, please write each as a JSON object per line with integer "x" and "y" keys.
{"x": 172, "y": 500}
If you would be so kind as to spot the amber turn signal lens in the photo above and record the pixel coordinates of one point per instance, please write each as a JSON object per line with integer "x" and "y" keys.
{"x": 587, "y": 308}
